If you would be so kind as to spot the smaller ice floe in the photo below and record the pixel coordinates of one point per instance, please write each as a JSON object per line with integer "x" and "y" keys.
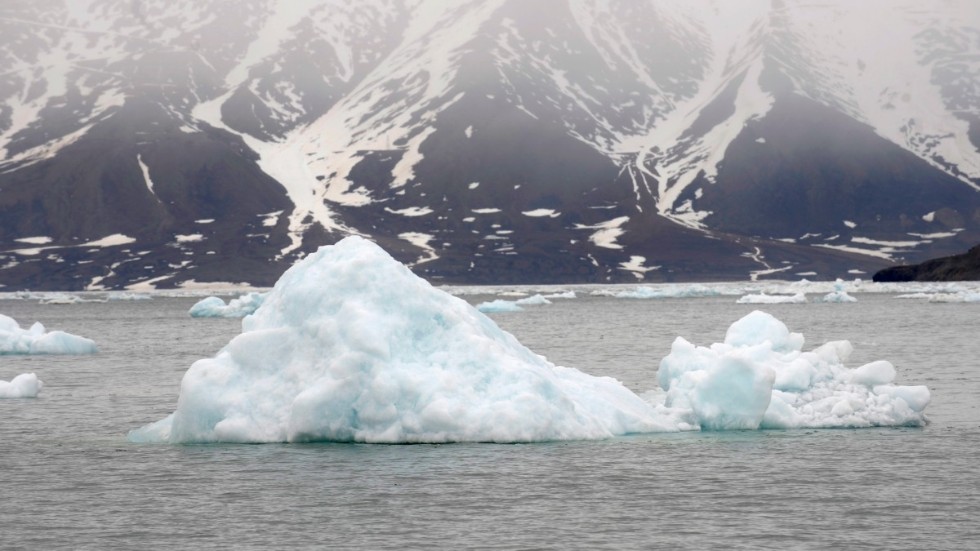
{"x": 499, "y": 305}
{"x": 214, "y": 307}
{"x": 124, "y": 296}
{"x": 63, "y": 300}
{"x": 956, "y": 297}
{"x": 838, "y": 295}
{"x": 760, "y": 377}
{"x": 25, "y": 385}
{"x": 534, "y": 300}
{"x": 763, "y": 298}
{"x": 685, "y": 291}
{"x": 14, "y": 340}
{"x": 565, "y": 294}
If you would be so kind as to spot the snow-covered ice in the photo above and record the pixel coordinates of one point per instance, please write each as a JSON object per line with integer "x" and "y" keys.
{"x": 760, "y": 377}
{"x": 25, "y": 385}
{"x": 214, "y": 307}
{"x": 14, "y": 340}
{"x": 351, "y": 346}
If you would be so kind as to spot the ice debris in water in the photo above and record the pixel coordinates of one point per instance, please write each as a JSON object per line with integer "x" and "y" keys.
{"x": 672, "y": 291}
{"x": 351, "y": 346}
{"x": 214, "y": 307}
{"x": 762, "y": 298}
{"x": 25, "y": 385}
{"x": 760, "y": 377}
{"x": 14, "y": 340}
{"x": 838, "y": 295}
{"x": 498, "y": 305}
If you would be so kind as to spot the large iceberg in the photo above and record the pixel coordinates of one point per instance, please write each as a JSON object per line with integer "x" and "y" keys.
{"x": 351, "y": 346}
{"x": 214, "y": 307}
{"x": 14, "y": 340}
{"x": 25, "y": 385}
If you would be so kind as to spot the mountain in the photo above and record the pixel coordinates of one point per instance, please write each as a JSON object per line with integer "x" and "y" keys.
{"x": 961, "y": 267}
{"x": 154, "y": 143}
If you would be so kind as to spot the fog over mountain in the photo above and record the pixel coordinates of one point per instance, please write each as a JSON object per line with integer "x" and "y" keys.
{"x": 161, "y": 143}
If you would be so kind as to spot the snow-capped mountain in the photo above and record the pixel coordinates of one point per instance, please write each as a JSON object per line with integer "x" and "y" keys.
{"x": 159, "y": 143}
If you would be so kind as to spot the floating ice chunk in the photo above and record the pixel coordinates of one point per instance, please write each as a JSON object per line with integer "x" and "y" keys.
{"x": 565, "y": 294}
{"x": 838, "y": 295}
{"x": 25, "y": 385}
{"x": 762, "y": 298}
{"x": 761, "y": 378}
{"x": 498, "y": 305}
{"x": 14, "y": 340}
{"x": 351, "y": 346}
{"x": 534, "y": 300}
{"x": 214, "y": 307}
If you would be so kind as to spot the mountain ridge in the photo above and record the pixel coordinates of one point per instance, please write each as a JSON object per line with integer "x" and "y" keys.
{"x": 484, "y": 141}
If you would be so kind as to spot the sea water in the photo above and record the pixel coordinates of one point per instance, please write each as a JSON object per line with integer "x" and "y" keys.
{"x": 70, "y": 480}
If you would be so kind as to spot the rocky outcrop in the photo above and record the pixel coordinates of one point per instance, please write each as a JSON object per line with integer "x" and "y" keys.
{"x": 962, "y": 267}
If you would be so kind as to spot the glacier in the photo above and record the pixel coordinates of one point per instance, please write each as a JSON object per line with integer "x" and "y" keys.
{"x": 351, "y": 346}
{"x": 25, "y": 385}
{"x": 36, "y": 340}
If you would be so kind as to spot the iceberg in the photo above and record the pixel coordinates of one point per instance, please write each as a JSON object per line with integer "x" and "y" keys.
{"x": 351, "y": 346}
{"x": 214, "y": 307}
{"x": 25, "y": 385}
{"x": 760, "y": 377}
{"x": 838, "y": 295}
{"x": 14, "y": 340}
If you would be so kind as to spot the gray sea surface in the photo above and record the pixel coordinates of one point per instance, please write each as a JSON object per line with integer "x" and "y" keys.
{"x": 69, "y": 479}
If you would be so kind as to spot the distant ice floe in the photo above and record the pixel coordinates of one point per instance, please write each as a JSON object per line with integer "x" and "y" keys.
{"x": 14, "y": 340}
{"x": 762, "y": 298}
{"x": 25, "y": 385}
{"x": 501, "y": 305}
{"x": 669, "y": 291}
{"x": 214, "y": 307}
{"x": 838, "y": 295}
{"x": 351, "y": 346}
{"x": 961, "y": 296}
